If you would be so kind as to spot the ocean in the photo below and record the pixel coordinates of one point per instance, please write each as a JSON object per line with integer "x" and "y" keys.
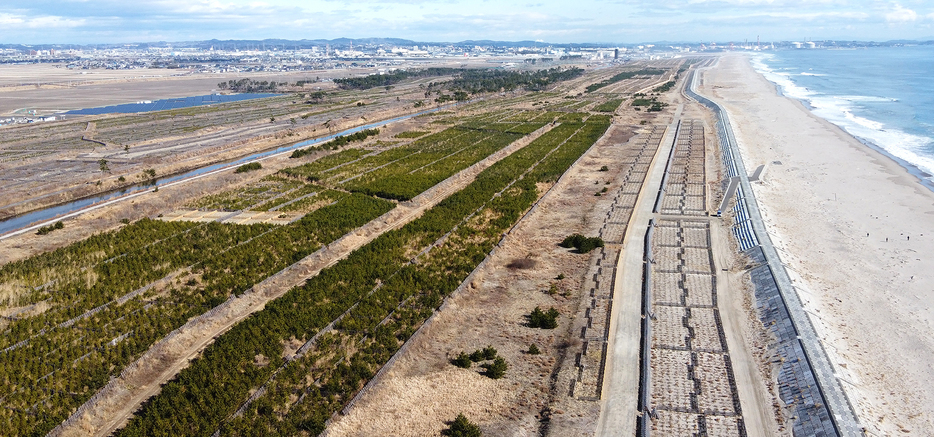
{"x": 883, "y": 96}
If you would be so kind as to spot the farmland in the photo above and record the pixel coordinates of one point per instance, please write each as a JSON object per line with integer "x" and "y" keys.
{"x": 377, "y": 296}
{"x": 418, "y": 205}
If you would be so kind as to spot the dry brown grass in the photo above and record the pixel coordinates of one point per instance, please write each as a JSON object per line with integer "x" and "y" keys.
{"x": 423, "y": 390}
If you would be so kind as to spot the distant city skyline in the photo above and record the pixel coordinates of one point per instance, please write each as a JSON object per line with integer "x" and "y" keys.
{"x": 581, "y": 21}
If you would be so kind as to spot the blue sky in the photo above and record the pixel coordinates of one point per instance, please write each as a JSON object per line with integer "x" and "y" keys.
{"x": 621, "y": 21}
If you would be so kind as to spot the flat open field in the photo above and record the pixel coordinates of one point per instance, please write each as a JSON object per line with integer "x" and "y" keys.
{"x": 49, "y": 163}
{"x": 24, "y": 75}
{"x": 42, "y": 164}
{"x": 48, "y": 89}
{"x": 331, "y": 292}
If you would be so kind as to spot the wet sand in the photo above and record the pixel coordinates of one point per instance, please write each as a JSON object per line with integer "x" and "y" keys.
{"x": 857, "y": 233}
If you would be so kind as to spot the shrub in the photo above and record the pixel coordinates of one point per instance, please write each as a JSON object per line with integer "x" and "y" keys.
{"x": 46, "y": 229}
{"x": 533, "y": 350}
{"x": 487, "y": 353}
{"x": 604, "y": 168}
{"x": 461, "y": 427}
{"x": 590, "y": 244}
{"x": 664, "y": 87}
{"x": 463, "y": 361}
{"x": 581, "y": 243}
{"x": 572, "y": 240}
{"x": 496, "y": 369}
{"x": 543, "y": 319}
{"x": 248, "y": 167}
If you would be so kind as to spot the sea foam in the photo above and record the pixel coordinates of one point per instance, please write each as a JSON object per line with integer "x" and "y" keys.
{"x": 839, "y": 110}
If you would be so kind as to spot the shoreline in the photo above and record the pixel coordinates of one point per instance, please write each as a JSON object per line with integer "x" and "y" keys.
{"x": 806, "y": 370}
{"x": 914, "y": 170}
{"x": 843, "y": 216}
{"x": 926, "y": 179}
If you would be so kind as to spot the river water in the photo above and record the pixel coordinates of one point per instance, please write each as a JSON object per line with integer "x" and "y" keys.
{"x": 21, "y": 223}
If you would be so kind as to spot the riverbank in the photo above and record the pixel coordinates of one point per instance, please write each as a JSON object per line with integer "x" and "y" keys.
{"x": 263, "y": 148}
{"x": 854, "y": 227}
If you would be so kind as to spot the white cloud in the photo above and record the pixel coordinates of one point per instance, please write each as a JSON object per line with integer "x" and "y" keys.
{"x": 716, "y": 4}
{"x": 13, "y": 22}
{"x": 901, "y": 15}
{"x": 453, "y": 20}
{"x": 788, "y": 3}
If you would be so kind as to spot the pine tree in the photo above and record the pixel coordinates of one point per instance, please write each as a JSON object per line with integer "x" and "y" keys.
{"x": 461, "y": 427}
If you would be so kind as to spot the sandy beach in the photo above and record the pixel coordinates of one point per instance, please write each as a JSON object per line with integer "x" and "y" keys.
{"x": 856, "y": 232}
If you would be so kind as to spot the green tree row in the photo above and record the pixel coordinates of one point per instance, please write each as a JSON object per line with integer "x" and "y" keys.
{"x": 250, "y": 86}
{"x": 338, "y": 142}
{"x": 383, "y": 296}
{"x": 47, "y": 356}
{"x": 486, "y": 81}
{"x": 468, "y": 81}
{"x": 392, "y": 78}
{"x": 608, "y": 106}
{"x": 457, "y": 256}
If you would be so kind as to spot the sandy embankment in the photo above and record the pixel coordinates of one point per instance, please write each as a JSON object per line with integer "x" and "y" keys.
{"x": 856, "y": 231}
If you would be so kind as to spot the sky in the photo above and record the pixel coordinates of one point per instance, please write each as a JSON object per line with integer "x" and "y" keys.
{"x": 552, "y": 21}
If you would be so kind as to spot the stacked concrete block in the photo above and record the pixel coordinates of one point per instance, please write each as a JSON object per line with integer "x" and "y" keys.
{"x": 637, "y": 154}
{"x": 691, "y": 383}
